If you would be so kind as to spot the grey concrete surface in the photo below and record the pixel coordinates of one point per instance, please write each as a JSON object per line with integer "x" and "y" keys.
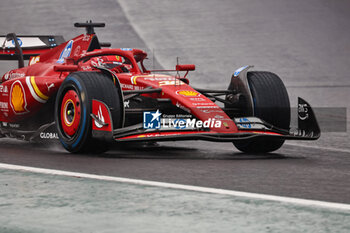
{"x": 303, "y": 41}
{"x": 57, "y": 17}
{"x": 72, "y": 204}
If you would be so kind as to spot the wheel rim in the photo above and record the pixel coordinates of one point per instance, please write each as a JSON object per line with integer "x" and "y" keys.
{"x": 70, "y": 113}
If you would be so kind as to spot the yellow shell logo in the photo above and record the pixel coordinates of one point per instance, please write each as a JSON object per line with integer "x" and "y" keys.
{"x": 188, "y": 93}
{"x": 17, "y": 98}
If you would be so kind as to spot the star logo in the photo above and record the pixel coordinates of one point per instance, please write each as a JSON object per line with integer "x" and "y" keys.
{"x": 151, "y": 120}
{"x": 155, "y": 115}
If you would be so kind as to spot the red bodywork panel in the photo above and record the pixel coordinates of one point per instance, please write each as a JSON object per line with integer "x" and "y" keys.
{"x": 182, "y": 96}
{"x": 24, "y": 91}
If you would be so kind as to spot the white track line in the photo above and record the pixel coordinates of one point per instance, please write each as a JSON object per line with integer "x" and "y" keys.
{"x": 318, "y": 147}
{"x": 297, "y": 201}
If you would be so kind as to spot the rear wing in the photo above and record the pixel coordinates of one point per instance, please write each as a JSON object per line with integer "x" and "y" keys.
{"x": 23, "y": 47}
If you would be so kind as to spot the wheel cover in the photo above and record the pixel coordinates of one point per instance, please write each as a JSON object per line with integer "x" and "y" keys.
{"x": 70, "y": 113}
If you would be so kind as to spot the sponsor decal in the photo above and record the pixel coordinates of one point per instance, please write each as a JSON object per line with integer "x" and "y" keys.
{"x": 179, "y": 123}
{"x": 159, "y": 78}
{"x": 4, "y": 106}
{"x": 49, "y": 86}
{"x": 151, "y": 120}
{"x": 182, "y": 107}
{"x": 170, "y": 83}
{"x": 190, "y": 123}
{"x": 204, "y": 104}
{"x": 126, "y": 49}
{"x": 100, "y": 117}
{"x": 303, "y": 111}
{"x": 96, "y": 62}
{"x": 18, "y": 98}
{"x": 176, "y": 116}
{"x": 127, "y": 86}
{"x": 86, "y": 67}
{"x": 215, "y": 106}
{"x": 48, "y": 135}
{"x": 77, "y": 51}
{"x": 164, "y": 134}
{"x": 86, "y": 37}
{"x": 218, "y": 117}
{"x": 14, "y": 125}
{"x": 153, "y": 135}
{"x": 188, "y": 93}
{"x": 65, "y": 52}
{"x": 269, "y": 133}
{"x": 12, "y": 75}
{"x": 118, "y": 59}
{"x": 127, "y": 104}
{"x": 239, "y": 70}
{"x": 11, "y": 125}
{"x": 3, "y": 89}
{"x": 246, "y": 122}
{"x": 19, "y": 42}
{"x": 249, "y": 123}
{"x": 297, "y": 132}
{"x": 25, "y": 42}
{"x": 34, "y": 60}
{"x": 35, "y": 91}
{"x": 210, "y": 111}
{"x": 154, "y": 78}
{"x": 197, "y": 99}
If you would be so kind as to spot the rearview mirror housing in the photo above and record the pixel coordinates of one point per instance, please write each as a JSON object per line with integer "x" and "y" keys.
{"x": 185, "y": 67}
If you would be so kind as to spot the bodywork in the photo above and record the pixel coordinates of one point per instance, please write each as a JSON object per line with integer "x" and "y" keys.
{"x": 27, "y": 96}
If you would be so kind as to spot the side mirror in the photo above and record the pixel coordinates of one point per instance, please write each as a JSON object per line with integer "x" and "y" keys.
{"x": 185, "y": 67}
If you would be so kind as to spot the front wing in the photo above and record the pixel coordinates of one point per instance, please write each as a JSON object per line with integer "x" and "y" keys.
{"x": 248, "y": 128}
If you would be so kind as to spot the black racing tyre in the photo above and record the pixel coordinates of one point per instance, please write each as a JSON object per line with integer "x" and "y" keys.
{"x": 74, "y": 105}
{"x": 271, "y": 104}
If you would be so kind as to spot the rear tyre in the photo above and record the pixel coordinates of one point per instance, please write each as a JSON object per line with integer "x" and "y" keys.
{"x": 74, "y": 105}
{"x": 271, "y": 104}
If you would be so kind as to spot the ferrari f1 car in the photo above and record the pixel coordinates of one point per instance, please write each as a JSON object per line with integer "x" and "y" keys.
{"x": 89, "y": 96}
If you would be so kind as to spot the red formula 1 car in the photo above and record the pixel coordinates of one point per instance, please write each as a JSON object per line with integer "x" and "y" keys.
{"x": 88, "y": 96}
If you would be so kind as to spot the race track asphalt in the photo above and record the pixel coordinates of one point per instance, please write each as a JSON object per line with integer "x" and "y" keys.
{"x": 292, "y": 171}
{"x": 305, "y": 42}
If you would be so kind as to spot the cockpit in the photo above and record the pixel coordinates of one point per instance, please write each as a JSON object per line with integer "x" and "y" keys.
{"x": 116, "y": 63}
{"x": 117, "y": 60}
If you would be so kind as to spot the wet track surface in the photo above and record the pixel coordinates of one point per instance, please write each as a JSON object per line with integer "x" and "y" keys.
{"x": 306, "y": 43}
{"x": 311, "y": 174}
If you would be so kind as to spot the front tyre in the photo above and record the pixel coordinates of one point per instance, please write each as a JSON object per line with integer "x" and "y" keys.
{"x": 271, "y": 104}
{"x": 74, "y": 105}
